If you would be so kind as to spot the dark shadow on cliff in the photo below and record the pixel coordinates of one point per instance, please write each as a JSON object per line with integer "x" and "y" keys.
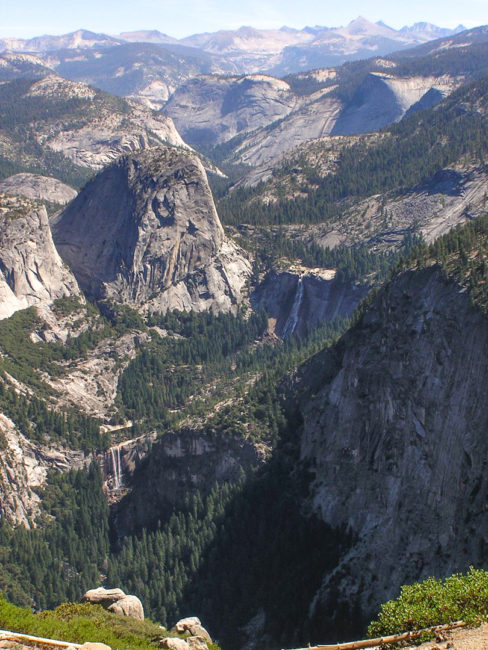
{"x": 267, "y": 561}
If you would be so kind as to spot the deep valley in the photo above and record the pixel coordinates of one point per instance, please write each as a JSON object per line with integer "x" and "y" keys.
{"x": 243, "y": 327}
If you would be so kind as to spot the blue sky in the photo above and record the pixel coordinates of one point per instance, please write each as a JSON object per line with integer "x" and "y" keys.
{"x": 25, "y": 18}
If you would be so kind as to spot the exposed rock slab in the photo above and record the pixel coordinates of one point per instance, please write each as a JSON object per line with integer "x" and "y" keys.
{"x": 381, "y": 222}
{"x": 24, "y": 467}
{"x": 211, "y": 109}
{"x": 145, "y": 232}
{"x": 35, "y": 186}
{"x": 381, "y": 100}
{"x": 314, "y": 119}
{"x": 31, "y": 271}
{"x": 90, "y": 383}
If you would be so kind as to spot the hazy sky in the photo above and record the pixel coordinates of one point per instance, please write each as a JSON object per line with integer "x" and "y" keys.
{"x": 179, "y": 18}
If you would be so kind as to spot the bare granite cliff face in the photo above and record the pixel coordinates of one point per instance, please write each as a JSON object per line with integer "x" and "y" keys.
{"x": 212, "y": 109}
{"x": 36, "y": 186}
{"x": 31, "y": 271}
{"x": 145, "y": 232}
{"x": 394, "y": 429}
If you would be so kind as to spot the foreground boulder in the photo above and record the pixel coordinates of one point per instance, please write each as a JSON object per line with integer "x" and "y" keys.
{"x": 128, "y": 606}
{"x": 192, "y": 625}
{"x": 116, "y": 601}
{"x": 104, "y": 597}
{"x": 173, "y": 644}
{"x": 191, "y": 643}
{"x": 197, "y": 643}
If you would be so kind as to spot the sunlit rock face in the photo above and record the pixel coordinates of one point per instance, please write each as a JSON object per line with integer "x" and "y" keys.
{"x": 145, "y": 232}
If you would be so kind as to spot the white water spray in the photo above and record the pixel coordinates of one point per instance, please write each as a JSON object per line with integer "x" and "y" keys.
{"x": 292, "y": 320}
{"x": 116, "y": 467}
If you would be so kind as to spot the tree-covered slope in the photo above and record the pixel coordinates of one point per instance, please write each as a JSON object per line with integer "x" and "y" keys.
{"x": 406, "y": 155}
{"x": 65, "y": 129}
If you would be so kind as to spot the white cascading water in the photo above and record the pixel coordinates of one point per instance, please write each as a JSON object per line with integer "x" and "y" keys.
{"x": 117, "y": 468}
{"x": 292, "y": 320}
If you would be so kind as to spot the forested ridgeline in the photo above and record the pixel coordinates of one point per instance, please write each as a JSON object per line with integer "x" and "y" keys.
{"x": 462, "y": 254}
{"x": 275, "y": 248}
{"x": 194, "y": 351}
{"x": 469, "y": 61}
{"x": 18, "y": 115}
{"x": 411, "y": 153}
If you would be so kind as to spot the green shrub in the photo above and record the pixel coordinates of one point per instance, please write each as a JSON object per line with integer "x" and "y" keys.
{"x": 81, "y": 622}
{"x": 435, "y": 602}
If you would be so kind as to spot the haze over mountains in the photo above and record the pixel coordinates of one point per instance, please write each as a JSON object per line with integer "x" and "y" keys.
{"x": 248, "y": 50}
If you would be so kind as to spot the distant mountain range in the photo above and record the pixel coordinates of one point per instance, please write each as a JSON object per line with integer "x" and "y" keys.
{"x": 248, "y": 50}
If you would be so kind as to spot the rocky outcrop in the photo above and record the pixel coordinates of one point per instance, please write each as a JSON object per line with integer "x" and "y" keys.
{"x": 102, "y": 596}
{"x": 382, "y": 221}
{"x": 394, "y": 430}
{"x": 145, "y": 232}
{"x": 35, "y": 186}
{"x": 211, "y": 109}
{"x": 80, "y": 128}
{"x": 31, "y": 271}
{"x": 197, "y": 641}
{"x": 89, "y": 383}
{"x": 173, "y": 643}
{"x": 107, "y": 130}
{"x": 385, "y": 98}
{"x": 192, "y": 625}
{"x": 299, "y": 300}
{"x": 116, "y": 601}
{"x": 128, "y": 606}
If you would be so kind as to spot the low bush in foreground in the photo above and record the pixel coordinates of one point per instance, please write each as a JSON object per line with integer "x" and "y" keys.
{"x": 435, "y": 602}
{"x": 81, "y": 622}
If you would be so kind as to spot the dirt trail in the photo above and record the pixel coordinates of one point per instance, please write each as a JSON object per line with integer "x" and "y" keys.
{"x": 463, "y": 639}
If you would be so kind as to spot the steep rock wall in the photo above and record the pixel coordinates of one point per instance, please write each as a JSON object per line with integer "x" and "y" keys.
{"x": 31, "y": 271}
{"x": 145, "y": 232}
{"x": 395, "y": 430}
{"x": 24, "y": 467}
